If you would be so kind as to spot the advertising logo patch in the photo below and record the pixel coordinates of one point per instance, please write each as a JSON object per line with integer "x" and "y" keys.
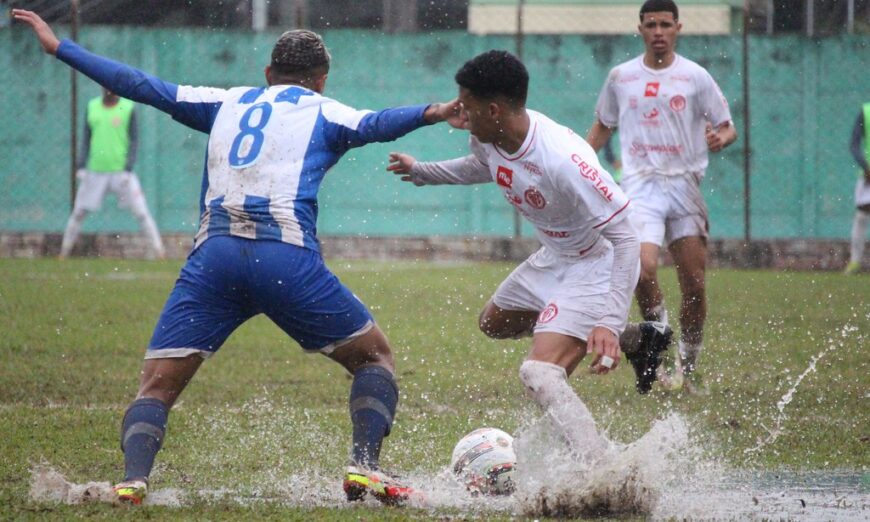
{"x": 652, "y": 90}
{"x": 504, "y": 177}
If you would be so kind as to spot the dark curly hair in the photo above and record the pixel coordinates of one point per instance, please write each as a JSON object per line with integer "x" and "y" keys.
{"x": 300, "y": 54}
{"x": 495, "y": 74}
{"x": 659, "y": 6}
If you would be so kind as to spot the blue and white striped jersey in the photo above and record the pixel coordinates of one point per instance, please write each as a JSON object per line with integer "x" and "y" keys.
{"x": 268, "y": 148}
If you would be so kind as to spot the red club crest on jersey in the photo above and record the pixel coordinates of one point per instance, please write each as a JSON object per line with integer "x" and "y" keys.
{"x": 652, "y": 90}
{"x": 549, "y": 313}
{"x": 678, "y": 103}
{"x": 535, "y": 199}
{"x": 504, "y": 177}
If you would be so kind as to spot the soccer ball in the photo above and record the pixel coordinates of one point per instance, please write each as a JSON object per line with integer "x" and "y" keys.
{"x": 484, "y": 460}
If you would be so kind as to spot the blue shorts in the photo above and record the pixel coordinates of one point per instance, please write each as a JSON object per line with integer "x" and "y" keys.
{"x": 228, "y": 280}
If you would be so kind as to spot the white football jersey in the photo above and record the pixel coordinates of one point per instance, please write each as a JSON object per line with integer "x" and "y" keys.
{"x": 556, "y": 182}
{"x": 662, "y": 115}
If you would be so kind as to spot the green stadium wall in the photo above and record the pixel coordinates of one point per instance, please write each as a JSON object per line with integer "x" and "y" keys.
{"x": 805, "y": 95}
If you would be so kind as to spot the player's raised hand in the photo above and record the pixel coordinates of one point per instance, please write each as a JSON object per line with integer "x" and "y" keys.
{"x": 46, "y": 36}
{"x": 400, "y": 164}
{"x": 604, "y": 347}
{"x": 451, "y": 112}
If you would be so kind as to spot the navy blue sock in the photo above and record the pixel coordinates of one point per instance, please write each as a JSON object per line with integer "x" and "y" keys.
{"x": 142, "y": 435}
{"x": 373, "y": 399}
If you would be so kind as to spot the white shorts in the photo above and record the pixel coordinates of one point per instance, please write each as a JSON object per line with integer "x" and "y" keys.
{"x": 94, "y": 185}
{"x": 570, "y": 296}
{"x": 667, "y": 208}
{"x": 862, "y": 192}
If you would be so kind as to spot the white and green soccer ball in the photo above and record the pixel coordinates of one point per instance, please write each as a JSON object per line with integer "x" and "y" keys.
{"x": 484, "y": 460}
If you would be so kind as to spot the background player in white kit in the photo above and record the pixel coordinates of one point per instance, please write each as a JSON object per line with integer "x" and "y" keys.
{"x": 669, "y": 112}
{"x": 256, "y": 250}
{"x": 109, "y": 145}
{"x": 575, "y": 292}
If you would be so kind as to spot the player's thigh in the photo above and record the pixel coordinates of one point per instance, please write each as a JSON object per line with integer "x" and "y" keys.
{"x": 580, "y": 299}
{"x": 91, "y": 191}
{"x": 563, "y": 350}
{"x": 211, "y": 298}
{"x": 528, "y": 287}
{"x": 688, "y": 214}
{"x": 494, "y": 319}
{"x": 297, "y": 291}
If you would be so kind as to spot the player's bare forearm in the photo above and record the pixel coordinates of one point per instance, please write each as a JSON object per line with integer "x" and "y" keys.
{"x": 43, "y": 32}
{"x": 598, "y": 135}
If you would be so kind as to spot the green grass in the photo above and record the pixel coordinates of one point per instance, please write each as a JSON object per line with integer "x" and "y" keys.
{"x": 72, "y": 335}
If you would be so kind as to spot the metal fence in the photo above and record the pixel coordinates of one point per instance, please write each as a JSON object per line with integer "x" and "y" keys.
{"x": 805, "y": 94}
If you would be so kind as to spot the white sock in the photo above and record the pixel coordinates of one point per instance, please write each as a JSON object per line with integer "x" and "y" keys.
{"x": 548, "y": 385}
{"x": 689, "y": 355}
{"x": 859, "y": 230}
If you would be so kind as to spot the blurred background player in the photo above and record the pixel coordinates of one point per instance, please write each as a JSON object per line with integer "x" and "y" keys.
{"x": 670, "y": 112}
{"x": 256, "y": 250}
{"x": 108, "y": 153}
{"x": 860, "y": 148}
{"x": 574, "y": 293}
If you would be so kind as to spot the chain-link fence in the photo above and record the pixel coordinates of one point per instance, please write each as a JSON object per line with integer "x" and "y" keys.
{"x": 805, "y": 94}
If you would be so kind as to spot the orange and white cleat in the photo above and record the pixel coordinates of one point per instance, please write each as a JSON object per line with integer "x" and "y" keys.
{"x": 358, "y": 481}
{"x": 131, "y": 491}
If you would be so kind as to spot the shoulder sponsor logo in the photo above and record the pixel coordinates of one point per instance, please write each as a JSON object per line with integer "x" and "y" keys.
{"x": 681, "y": 78}
{"x": 590, "y": 173}
{"x": 642, "y": 150}
{"x": 504, "y": 176}
{"x": 678, "y": 103}
{"x": 549, "y": 313}
{"x": 534, "y": 198}
{"x": 652, "y": 90}
{"x": 534, "y": 168}
{"x": 628, "y": 78}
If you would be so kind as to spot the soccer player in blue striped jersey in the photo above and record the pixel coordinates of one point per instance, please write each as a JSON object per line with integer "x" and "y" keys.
{"x": 256, "y": 250}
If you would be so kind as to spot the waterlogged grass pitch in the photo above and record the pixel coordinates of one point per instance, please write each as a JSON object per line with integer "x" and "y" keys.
{"x": 263, "y": 430}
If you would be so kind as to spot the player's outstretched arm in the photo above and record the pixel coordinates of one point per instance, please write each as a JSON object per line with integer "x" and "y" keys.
{"x": 46, "y": 36}
{"x": 401, "y": 164}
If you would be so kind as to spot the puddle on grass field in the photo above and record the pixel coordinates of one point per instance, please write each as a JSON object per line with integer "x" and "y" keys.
{"x": 734, "y": 495}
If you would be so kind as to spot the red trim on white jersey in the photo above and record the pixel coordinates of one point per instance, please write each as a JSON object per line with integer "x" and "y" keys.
{"x": 606, "y": 221}
{"x": 522, "y": 152}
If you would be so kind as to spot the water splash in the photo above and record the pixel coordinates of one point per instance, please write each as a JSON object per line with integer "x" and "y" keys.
{"x": 777, "y": 429}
